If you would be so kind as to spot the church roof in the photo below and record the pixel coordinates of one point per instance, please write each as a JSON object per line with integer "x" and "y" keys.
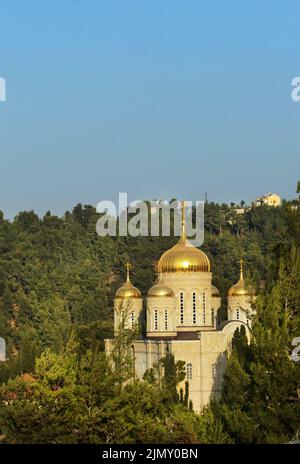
{"x": 184, "y": 257}
{"x": 127, "y": 290}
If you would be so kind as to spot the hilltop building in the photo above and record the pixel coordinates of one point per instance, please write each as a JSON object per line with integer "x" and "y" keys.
{"x": 270, "y": 199}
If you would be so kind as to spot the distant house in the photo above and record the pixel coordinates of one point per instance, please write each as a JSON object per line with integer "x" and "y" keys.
{"x": 270, "y": 199}
{"x": 240, "y": 210}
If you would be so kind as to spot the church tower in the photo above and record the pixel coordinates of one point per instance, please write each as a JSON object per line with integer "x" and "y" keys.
{"x": 186, "y": 271}
{"x": 161, "y": 310}
{"x": 215, "y": 305}
{"x": 239, "y": 300}
{"x": 128, "y": 305}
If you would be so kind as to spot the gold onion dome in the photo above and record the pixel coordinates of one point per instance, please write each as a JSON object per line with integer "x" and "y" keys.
{"x": 183, "y": 257}
{"x": 128, "y": 290}
{"x": 239, "y": 289}
{"x": 160, "y": 289}
{"x": 215, "y": 292}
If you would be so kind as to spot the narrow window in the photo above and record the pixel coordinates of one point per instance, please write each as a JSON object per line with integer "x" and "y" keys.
{"x": 213, "y": 317}
{"x": 189, "y": 371}
{"x": 213, "y": 371}
{"x": 166, "y": 319}
{"x": 181, "y": 308}
{"x": 155, "y": 319}
{"x": 194, "y": 309}
{"x": 204, "y": 307}
{"x": 132, "y": 320}
{"x": 238, "y": 314}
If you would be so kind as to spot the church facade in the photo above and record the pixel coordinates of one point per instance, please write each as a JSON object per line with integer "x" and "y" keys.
{"x": 182, "y": 319}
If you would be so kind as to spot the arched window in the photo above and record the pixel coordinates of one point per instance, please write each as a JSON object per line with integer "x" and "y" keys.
{"x": 181, "y": 308}
{"x": 155, "y": 319}
{"x": 166, "y": 319}
{"x": 204, "y": 307}
{"x": 213, "y": 317}
{"x": 194, "y": 308}
{"x": 238, "y": 314}
{"x": 189, "y": 371}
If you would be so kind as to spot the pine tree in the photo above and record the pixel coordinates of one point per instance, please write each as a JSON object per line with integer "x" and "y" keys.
{"x": 260, "y": 401}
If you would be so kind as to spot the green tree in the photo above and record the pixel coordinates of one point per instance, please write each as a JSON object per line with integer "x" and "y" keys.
{"x": 260, "y": 401}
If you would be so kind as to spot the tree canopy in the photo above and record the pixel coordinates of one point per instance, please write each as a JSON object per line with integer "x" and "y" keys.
{"x": 57, "y": 283}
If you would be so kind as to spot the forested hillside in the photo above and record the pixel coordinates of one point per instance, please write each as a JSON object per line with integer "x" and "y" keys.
{"x": 57, "y": 283}
{"x": 57, "y": 273}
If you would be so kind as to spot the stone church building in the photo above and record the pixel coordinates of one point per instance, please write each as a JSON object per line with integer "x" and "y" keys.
{"x": 182, "y": 318}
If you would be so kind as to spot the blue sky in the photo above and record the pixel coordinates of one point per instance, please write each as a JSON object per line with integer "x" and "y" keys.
{"x": 159, "y": 99}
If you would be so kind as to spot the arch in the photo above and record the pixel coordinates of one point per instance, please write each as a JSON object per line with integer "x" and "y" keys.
{"x": 229, "y": 329}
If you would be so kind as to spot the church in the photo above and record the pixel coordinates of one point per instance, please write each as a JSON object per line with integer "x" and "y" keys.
{"x": 181, "y": 314}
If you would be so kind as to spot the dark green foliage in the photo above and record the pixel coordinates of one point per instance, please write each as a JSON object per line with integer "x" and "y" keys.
{"x": 240, "y": 345}
{"x": 167, "y": 374}
{"x": 186, "y": 393}
{"x": 260, "y": 396}
{"x": 56, "y": 272}
{"x": 87, "y": 399}
{"x": 173, "y": 375}
{"x": 57, "y": 283}
{"x": 181, "y": 395}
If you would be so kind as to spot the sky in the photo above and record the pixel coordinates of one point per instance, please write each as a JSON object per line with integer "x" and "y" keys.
{"x": 160, "y": 99}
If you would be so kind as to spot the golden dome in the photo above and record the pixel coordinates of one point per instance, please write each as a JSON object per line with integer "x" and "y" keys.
{"x": 239, "y": 289}
{"x": 215, "y": 292}
{"x": 160, "y": 290}
{"x": 128, "y": 290}
{"x": 183, "y": 257}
